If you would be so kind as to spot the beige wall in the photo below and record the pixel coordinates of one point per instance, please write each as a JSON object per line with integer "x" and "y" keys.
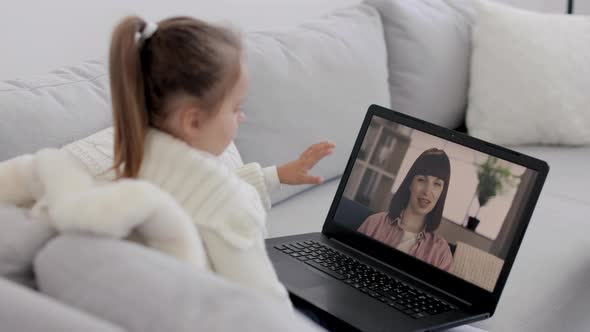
{"x": 453, "y": 233}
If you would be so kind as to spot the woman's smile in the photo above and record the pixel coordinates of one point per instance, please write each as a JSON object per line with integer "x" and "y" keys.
{"x": 424, "y": 202}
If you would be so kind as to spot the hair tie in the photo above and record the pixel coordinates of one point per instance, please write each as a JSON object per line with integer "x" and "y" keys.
{"x": 148, "y": 30}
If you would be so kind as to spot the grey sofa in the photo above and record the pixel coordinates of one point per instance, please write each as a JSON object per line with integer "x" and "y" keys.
{"x": 93, "y": 284}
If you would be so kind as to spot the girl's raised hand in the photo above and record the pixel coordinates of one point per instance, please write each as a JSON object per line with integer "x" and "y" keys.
{"x": 297, "y": 171}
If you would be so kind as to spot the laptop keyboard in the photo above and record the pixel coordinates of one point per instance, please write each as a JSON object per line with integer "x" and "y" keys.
{"x": 366, "y": 279}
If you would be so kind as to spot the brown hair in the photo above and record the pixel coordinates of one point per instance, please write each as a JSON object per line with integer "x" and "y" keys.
{"x": 433, "y": 162}
{"x": 185, "y": 59}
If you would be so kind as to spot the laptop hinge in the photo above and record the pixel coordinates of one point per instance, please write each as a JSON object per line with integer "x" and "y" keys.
{"x": 398, "y": 270}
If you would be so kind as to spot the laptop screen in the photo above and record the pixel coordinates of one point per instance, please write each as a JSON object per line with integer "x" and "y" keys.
{"x": 450, "y": 206}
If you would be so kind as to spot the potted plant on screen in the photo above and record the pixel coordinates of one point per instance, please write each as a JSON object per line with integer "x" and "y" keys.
{"x": 494, "y": 179}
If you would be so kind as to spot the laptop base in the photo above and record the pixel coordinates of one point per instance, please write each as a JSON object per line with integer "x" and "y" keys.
{"x": 346, "y": 306}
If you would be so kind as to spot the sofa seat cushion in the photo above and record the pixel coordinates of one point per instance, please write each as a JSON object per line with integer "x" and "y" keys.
{"x": 568, "y": 177}
{"x": 548, "y": 289}
{"x": 302, "y": 213}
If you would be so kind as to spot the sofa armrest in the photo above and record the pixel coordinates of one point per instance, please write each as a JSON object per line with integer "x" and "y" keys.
{"x": 144, "y": 290}
{"x": 22, "y": 309}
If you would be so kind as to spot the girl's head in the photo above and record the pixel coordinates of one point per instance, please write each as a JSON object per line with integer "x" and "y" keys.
{"x": 424, "y": 189}
{"x": 186, "y": 79}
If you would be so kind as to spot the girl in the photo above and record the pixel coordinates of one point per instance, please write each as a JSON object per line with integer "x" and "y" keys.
{"x": 415, "y": 212}
{"x": 176, "y": 91}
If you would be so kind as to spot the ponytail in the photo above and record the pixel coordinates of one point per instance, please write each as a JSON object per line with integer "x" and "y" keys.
{"x": 130, "y": 116}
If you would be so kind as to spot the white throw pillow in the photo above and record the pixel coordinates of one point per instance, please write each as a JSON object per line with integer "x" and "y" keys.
{"x": 530, "y": 77}
{"x": 310, "y": 83}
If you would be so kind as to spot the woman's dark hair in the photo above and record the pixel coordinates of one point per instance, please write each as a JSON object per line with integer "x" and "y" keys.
{"x": 432, "y": 162}
{"x": 185, "y": 60}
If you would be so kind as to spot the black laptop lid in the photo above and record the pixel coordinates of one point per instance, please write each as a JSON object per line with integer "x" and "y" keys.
{"x": 441, "y": 206}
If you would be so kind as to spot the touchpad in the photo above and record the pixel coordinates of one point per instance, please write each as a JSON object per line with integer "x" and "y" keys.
{"x": 300, "y": 275}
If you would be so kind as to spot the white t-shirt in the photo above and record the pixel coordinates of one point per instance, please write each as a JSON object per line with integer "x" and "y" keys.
{"x": 407, "y": 241}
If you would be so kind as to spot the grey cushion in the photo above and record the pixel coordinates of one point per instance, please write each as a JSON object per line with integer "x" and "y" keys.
{"x": 144, "y": 290}
{"x": 24, "y": 310}
{"x": 20, "y": 240}
{"x": 429, "y": 46}
{"x": 53, "y": 109}
{"x": 310, "y": 83}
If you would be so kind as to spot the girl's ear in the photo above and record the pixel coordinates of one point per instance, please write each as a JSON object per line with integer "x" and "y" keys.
{"x": 191, "y": 120}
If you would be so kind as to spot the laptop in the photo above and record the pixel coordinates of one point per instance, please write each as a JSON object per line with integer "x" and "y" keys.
{"x": 422, "y": 232}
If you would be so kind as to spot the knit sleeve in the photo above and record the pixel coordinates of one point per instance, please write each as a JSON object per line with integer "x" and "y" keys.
{"x": 254, "y": 175}
{"x": 271, "y": 178}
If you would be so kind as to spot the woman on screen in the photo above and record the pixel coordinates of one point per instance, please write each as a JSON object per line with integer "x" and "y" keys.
{"x": 415, "y": 212}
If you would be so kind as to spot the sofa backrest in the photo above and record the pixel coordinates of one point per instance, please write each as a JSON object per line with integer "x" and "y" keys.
{"x": 40, "y": 108}
{"x": 53, "y": 109}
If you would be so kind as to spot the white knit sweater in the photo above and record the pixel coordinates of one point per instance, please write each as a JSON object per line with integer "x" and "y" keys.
{"x": 227, "y": 211}
{"x": 95, "y": 153}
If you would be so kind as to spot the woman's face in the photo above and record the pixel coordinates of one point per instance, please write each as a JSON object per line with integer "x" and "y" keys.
{"x": 425, "y": 191}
